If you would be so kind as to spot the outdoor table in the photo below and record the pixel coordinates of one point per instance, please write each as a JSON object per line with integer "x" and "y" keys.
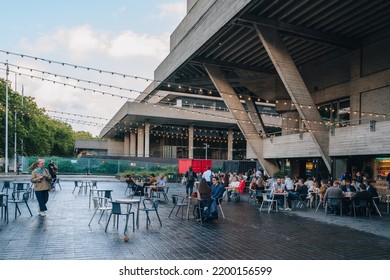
{"x": 21, "y": 185}
{"x": 284, "y": 194}
{"x": 131, "y": 201}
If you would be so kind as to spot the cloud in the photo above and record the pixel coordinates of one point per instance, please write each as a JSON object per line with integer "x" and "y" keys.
{"x": 172, "y": 10}
{"x": 81, "y": 42}
{"x": 130, "y": 43}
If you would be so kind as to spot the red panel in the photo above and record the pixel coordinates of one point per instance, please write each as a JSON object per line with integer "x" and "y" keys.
{"x": 184, "y": 164}
{"x": 205, "y": 163}
{"x": 197, "y": 165}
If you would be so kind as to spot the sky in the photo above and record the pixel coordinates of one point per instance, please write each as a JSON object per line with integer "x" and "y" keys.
{"x": 128, "y": 37}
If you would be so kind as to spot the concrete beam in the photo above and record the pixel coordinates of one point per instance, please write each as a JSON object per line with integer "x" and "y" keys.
{"x": 238, "y": 111}
{"x": 296, "y": 88}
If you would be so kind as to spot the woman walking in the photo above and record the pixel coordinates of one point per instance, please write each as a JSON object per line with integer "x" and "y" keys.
{"x": 41, "y": 179}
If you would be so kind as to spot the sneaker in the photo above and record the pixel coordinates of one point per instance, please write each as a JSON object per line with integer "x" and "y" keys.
{"x": 281, "y": 209}
{"x": 42, "y": 213}
{"x": 288, "y": 209}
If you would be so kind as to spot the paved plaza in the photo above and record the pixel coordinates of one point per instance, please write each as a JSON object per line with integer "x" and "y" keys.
{"x": 245, "y": 234}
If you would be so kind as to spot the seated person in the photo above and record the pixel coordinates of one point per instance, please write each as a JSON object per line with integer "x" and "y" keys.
{"x": 233, "y": 186}
{"x": 300, "y": 193}
{"x": 347, "y": 187}
{"x": 278, "y": 187}
{"x": 134, "y": 187}
{"x": 156, "y": 185}
{"x": 362, "y": 195}
{"x": 334, "y": 192}
{"x": 216, "y": 189}
{"x": 313, "y": 192}
{"x": 204, "y": 190}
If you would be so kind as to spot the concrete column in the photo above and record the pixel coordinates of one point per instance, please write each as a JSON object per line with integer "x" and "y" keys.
{"x": 290, "y": 120}
{"x": 354, "y": 98}
{"x": 147, "y": 139}
{"x": 133, "y": 144}
{"x": 296, "y": 88}
{"x": 230, "y": 145}
{"x": 126, "y": 144}
{"x": 191, "y": 141}
{"x": 238, "y": 111}
{"x": 140, "y": 141}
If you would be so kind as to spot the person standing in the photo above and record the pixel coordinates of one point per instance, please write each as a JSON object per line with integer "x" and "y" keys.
{"x": 208, "y": 175}
{"x": 190, "y": 176}
{"x": 52, "y": 167}
{"x": 41, "y": 179}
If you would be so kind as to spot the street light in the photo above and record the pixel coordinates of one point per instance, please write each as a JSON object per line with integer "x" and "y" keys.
{"x": 206, "y": 146}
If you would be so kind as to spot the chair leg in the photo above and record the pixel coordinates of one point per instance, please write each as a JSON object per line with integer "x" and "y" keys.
{"x": 147, "y": 219}
{"x": 172, "y": 211}
{"x": 127, "y": 221}
{"x": 28, "y": 207}
{"x": 133, "y": 221}
{"x": 92, "y": 217}
{"x": 158, "y": 216}
{"x": 177, "y": 212}
{"x": 108, "y": 221}
{"x": 101, "y": 215}
{"x": 220, "y": 207}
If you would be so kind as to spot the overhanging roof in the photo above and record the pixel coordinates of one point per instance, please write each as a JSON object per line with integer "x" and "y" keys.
{"x": 224, "y": 35}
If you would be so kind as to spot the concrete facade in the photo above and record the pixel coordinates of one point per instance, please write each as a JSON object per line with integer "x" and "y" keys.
{"x": 321, "y": 71}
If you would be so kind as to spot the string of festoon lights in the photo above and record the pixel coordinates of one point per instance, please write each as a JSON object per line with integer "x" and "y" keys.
{"x": 137, "y": 91}
{"x": 168, "y": 85}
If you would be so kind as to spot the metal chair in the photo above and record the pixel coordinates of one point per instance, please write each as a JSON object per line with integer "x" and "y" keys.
{"x": 100, "y": 204}
{"x": 270, "y": 201}
{"x": 6, "y": 186}
{"x": 152, "y": 208}
{"x": 4, "y": 206}
{"x": 163, "y": 191}
{"x": 219, "y": 201}
{"x": 180, "y": 204}
{"x": 334, "y": 205}
{"x": 361, "y": 205}
{"x": 20, "y": 197}
{"x": 77, "y": 185}
{"x": 57, "y": 182}
{"x": 375, "y": 201}
{"x": 117, "y": 211}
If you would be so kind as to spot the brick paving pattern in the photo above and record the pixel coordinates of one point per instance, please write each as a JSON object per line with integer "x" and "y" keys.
{"x": 245, "y": 234}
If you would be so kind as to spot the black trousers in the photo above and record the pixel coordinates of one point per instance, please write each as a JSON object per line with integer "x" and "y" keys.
{"x": 42, "y": 197}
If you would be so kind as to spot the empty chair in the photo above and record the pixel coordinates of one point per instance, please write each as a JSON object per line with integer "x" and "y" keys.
{"x": 4, "y": 206}
{"x": 101, "y": 204}
{"x": 20, "y": 197}
{"x": 6, "y": 186}
{"x": 164, "y": 192}
{"x": 79, "y": 185}
{"x": 152, "y": 208}
{"x": 57, "y": 182}
{"x": 179, "y": 202}
{"x": 117, "y": 211}
{"x": 269, "y": 201}
{"x": 375, "y": 201}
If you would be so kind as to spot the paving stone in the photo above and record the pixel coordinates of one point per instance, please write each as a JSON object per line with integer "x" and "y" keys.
{"x": 244, "y": 234}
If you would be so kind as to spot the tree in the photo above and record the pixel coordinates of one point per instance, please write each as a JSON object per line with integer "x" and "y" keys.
{"x": 38, "y": 134}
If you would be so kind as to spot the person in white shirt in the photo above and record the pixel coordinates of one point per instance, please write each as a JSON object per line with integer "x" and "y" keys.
{"x": 289, "y": 183}
{"x": 208, "y": 175}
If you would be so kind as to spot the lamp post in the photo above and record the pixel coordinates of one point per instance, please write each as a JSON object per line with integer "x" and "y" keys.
{"x": 206, "y": 146}
{"x": 6, "y": 120}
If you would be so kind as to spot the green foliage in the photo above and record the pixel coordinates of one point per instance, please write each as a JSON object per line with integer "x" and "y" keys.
{"x": 37, "y": 133}
{"x": 279, "y": 174}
